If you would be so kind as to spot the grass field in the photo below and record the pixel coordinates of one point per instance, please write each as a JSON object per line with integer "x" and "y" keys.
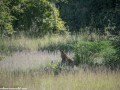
{"x": 23, "y": 62}
{"x": 74, "y": 80}
{"x": 48, "y": 42}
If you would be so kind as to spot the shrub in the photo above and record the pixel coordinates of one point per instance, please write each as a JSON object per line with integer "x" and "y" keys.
{"x": 87, "y": 52}
{"x": 116, "y": 44}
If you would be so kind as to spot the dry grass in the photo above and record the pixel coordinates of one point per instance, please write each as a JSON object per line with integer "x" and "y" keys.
{"x": 22, "y": 43}
{"x": 48, "y": 42}
{"x": 79, "y": 80}
{"x": 24, "y": 68}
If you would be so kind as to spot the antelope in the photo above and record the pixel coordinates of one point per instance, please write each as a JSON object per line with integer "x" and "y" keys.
{"x": 65, "y": 59}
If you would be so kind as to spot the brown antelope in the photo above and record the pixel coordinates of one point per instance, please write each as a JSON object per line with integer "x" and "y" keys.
{"x": 66, "y": 59}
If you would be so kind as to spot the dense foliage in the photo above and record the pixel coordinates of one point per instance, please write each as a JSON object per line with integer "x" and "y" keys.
{"x": 32, "y": 16}
{"x": 5, "y": 17}
{"x": 101, "y": 14}
{"x": 41, "y": 16}
{"x": 87, "y": 52}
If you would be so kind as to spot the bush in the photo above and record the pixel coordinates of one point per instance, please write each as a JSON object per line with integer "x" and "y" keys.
{"x": 87, "y": 52}
{"x": 116, "y": 44}
{"x": 112, "y": 56}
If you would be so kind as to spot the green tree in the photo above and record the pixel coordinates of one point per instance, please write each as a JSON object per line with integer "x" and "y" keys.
{"x": 32, "y": 16}
{"x": 100, "y": 14}
{"x": 5, "y": 18}
{"x": 39, "y": 16}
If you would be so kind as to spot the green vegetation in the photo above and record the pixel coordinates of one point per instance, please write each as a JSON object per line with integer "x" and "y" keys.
{"x": 87, "y": 52}
{"x": 41, "y": 16}
{"x": 103, "y": 15}
{"x": 32, "y": 33}
{"x": 88, "y": 49}
{"x": 36, "y": 17}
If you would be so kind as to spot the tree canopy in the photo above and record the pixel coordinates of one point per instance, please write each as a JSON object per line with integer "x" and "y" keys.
{"x": 33, "y": 16}
{"x": 42, "y": 16}
{"x": 99, "y": 14}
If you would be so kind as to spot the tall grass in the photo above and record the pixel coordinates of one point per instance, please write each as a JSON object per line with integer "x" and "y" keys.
{"x": 25, "y": 43}
{"x": 27, "y": 63}
{"x": 88, "y": 47}
{"x": 79, "y": 80}
{"x": 49, "y": 42}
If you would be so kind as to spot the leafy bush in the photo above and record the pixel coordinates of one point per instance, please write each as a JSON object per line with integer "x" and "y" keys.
{"x": 112, "y": 60}
{"x": 116, "y": 44}
{"x": 91, "y": 52}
